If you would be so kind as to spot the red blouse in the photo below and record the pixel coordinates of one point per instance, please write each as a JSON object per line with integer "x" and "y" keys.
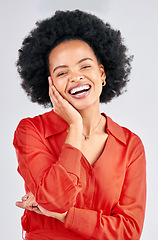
{"x": 104, "y": 201}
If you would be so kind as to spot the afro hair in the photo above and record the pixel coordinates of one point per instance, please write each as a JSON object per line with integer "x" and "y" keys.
{"x": 106, "y": 43}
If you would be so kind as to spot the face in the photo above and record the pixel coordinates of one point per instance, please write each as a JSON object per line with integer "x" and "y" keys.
{"x": 76, "y": 73}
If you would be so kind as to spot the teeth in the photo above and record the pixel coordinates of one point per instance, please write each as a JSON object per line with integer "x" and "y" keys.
{"x": 78, "y": 89}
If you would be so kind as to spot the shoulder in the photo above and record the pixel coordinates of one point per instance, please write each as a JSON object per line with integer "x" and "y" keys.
{"x": 32, "y": 124}
{"x": 45, "y": 125}
{"x": 133, "y": 141}
{"x": 35, "y": 122}
{"x": 38, "y": 120}
{"x": 130, "y": 143}
{"x": 130, "y": 139}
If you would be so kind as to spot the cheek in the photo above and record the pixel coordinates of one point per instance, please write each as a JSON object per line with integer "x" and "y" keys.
{"x": 61, "y": 87}
{"x": 99, "y": 87}
{"x": 59, "y": 84}
{"x": 98, "y": 82}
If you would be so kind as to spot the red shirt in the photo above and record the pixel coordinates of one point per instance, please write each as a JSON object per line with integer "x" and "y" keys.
{"x": 104, "y": 201}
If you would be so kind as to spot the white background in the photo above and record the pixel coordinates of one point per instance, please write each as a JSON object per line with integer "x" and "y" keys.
{"x": 137, "y": 109}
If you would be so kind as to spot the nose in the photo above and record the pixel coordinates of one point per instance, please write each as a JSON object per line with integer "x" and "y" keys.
{"x": 75, "y": 77}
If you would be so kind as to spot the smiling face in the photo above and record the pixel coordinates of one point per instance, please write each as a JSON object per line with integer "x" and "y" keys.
{"x": 76, "y": 73}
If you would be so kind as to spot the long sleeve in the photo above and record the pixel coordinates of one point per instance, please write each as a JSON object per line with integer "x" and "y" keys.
{"x": 126, "y": 219}
{"x": 54, "y": 180}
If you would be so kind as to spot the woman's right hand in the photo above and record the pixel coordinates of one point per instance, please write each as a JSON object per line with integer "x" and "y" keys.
{"x": 62, "y": 107}
{"x": 28, "y": 202}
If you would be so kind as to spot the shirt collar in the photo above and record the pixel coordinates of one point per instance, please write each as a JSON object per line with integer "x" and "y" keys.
{"x": 54, "y": 124}
{"x": 114, "y": 129}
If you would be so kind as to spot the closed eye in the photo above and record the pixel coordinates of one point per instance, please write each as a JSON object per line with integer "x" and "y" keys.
{"x": 87, "y": 66}
{"x": 61, "y": 74}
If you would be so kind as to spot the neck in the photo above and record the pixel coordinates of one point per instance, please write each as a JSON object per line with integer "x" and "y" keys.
{"x": 91, "y": 118}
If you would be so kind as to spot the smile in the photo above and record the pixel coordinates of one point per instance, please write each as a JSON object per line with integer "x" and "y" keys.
{"x": 80, "y": 90}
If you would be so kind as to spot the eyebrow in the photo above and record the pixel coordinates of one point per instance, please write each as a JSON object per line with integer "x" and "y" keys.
{"x": 64, "y": 66}
{"x": 84, "y": 59}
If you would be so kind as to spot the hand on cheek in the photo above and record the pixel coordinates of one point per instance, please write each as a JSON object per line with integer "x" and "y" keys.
{"x": 62, "y": 107}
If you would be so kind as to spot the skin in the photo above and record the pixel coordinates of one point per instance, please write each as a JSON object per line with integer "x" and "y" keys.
{"x": 32, "y": 205}
{"x": 70, "y": 63}
{"x": 73, "y": 62}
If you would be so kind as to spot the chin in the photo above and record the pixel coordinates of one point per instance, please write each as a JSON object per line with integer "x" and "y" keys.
{"x": 85, "y": 105}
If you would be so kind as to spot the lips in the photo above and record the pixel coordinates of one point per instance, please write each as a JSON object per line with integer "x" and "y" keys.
{"x": 79, "y": 88}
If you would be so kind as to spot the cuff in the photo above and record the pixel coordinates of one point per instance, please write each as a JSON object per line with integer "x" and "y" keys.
{"x": 81, "y": 221}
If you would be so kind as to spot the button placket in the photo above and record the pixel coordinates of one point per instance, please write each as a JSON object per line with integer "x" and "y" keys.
{"x": 89, "y": 191}
{"x": 90, "y": 172}
{"x": 88, "y": 202}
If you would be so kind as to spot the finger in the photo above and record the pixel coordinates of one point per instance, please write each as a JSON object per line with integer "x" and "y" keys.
{"x": 27, "y": 196}
{"x": 37, "y": 210}
{"x": 28, "y": 202}
{"x": 23, "y": 205}
{"x": 51, "y": 95}
{"x": 27, "y": 199}
{"x": 52, "y": 98}
{"x": 24, "y": 198}
{"x": 56, "y": 99}
{"x": 52, "y": 89}
{"x": 19, "y": 204}
{"x": 55, "y": 91}
{"x": 57, "y": 96}
{"x": 50, "y": 81}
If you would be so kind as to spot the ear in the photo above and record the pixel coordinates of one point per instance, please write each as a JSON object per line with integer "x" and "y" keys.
{"x": 102, "y": 72}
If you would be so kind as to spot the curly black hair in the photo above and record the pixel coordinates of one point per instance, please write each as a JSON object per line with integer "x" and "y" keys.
{"x": 106, "y": 43}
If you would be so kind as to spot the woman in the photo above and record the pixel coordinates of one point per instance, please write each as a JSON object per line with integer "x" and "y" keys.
{"x": 84, "y": 174}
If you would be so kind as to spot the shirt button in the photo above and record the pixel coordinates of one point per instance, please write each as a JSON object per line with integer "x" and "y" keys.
{"x": 90, "y": 172}
{"x": 88, "y": 202}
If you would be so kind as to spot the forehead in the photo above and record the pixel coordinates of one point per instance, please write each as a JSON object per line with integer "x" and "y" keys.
{"x": 70, "y": 50}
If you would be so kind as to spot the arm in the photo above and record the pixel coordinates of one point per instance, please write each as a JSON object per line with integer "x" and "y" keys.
{"x": 65, "y": 110}
{"x": 126, "y": 219}
{"x": 28, "y": 202}
{"x": 53, "y": 181}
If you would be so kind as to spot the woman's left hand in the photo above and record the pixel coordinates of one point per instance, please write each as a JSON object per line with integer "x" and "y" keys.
{"x": 28, "y": 202}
